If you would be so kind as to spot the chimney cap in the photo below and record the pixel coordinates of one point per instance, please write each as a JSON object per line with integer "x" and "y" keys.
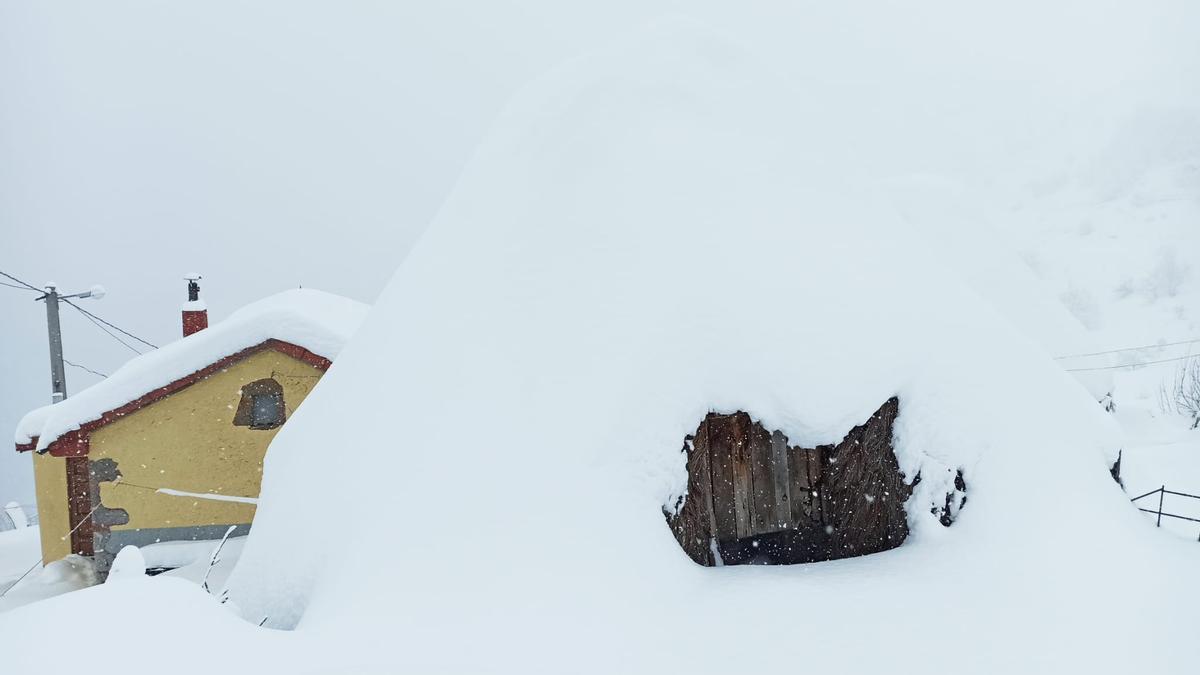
{"x": 195, "y": 311}
{"x": 192, "y": 276}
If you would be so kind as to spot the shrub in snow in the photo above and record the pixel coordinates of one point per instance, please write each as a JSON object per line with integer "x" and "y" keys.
{"x": 956, "y": 499}
{"x": 1182, "y": 394}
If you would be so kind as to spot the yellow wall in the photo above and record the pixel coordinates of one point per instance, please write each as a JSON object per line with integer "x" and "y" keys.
{"x": 50, "y": 481}
{"x": 187, "y": 441}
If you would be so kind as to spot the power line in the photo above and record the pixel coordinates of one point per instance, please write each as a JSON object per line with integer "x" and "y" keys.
{"x": 111, "y": 334}
{"x": 71, "y": 363}
{"x": 2, "y": 283}
{"x": 111, "y": 325}
{"x": 1135, "y": 365}
{"x": 91, "y": 317}
{"x": 26, "y": 284}
{"x": 1129, "y": 349}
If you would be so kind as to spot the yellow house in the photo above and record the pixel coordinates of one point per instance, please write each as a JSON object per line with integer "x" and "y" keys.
{"x": 171, "y": 446}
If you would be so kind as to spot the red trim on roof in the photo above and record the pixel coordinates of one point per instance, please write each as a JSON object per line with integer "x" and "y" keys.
{"x": 75, "y": 443}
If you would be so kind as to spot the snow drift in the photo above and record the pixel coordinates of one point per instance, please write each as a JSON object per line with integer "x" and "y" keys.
{"x": 649, "y": 234}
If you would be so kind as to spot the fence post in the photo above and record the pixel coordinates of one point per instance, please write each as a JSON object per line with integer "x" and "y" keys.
{"x": 1162, "y": 492}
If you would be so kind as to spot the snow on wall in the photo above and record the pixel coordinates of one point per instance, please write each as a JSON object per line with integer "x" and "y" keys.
{"x": 650, "y": 233}
{"x": 317, "y": 321}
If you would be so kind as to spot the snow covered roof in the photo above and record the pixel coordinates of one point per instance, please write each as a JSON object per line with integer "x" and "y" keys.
{"x": 315, "y": 321}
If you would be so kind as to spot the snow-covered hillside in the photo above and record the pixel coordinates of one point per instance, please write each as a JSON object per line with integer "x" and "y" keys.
{"x": 651, "y": 232}
{"x": 1106, "y": 213}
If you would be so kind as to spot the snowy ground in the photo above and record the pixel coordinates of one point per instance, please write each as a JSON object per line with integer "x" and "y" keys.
{"x": 1163, "y": 452}
{"x": 19, "y": 550}
{"x": 23, "y": 579}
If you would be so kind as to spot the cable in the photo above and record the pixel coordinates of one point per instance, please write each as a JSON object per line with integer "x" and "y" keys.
{"x": 172, "y": 492}
{"x": 126, "y": 483}
{"x": 1135, "y": 365}
{"x": 111, "y": 325}
{"x": 41, "y": 561}
{"x": 70, "y": 363}
{"x": 26, "y": 284}
{"x": 1129, "y": 349}
{"x": 111, "y": 335}
{"x": 21, "y": 578}
{"x": 91, "y": 317}
{"x": 14, "y": 286}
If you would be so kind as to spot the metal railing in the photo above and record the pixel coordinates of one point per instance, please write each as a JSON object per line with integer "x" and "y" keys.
{"x": 1162, "y": 492}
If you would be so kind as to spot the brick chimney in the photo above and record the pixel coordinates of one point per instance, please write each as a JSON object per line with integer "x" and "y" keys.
{"x": 195, "y": 312}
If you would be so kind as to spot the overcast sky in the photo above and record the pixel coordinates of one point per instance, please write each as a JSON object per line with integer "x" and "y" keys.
{"x": 273, "y": 144}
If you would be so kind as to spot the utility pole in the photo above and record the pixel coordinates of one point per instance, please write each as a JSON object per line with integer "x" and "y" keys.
{"x": 58, "y": 374}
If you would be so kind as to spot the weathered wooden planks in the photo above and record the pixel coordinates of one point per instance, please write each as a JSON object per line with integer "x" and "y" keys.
{"x": 780, "y": 476}
{"x": 743, "y": 484}
{"x": 754, "y": 498}
{"x": 763, "y": 507}
{"x": 719, "y": 445}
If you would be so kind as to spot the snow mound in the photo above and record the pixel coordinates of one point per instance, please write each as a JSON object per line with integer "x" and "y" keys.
{"x": 317, "y": 321}
{"x": 169, "y": 615}
{"x": 129, "y": 564}
{"x": 651, "y": 233}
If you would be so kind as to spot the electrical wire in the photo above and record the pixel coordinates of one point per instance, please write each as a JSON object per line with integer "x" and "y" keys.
{"x": 111, "y": 325}
{"x": 22, "y": 288}
{"x": 71, "y": 363}
{"x": 1135, "y": 365}
{"x": 95, "y": 319}
{"x": 41, "y": 561}
{"x": 26, "y": 284}
{"x": 111, "y": 334}
{"x": 124, "y": 483}
{"x": 1129, "y": 349}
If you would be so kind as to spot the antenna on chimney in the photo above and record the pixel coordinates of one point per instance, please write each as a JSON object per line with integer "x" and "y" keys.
{"x": 195, "y": 312}
{"x": 193, "y": 286}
